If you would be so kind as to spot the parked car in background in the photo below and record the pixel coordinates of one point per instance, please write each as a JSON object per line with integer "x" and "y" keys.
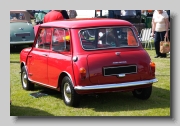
{"x": 88, "y": 56}
{"x": 21, "y": 28}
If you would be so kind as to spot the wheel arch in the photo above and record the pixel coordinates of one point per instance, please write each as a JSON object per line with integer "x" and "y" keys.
{"x": 61, "y": 76}
{"x": 22, "y": 64}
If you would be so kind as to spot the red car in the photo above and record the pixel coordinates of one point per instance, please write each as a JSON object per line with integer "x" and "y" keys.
{"x": 85, "y": 56}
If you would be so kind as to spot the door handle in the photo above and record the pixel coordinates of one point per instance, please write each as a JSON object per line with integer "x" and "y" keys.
{"x": 44, "y": 54}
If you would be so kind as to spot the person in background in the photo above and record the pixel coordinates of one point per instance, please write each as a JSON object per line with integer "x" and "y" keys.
{"x": 39, "y": 15}
{"x": 65, "y": 14}
{"x": 160, "y": 27}
{"x": 110, "y": 13}
{"x": 21, "y": 16}
{"x": 72, "y": 14}
{"x": 53, "y": 15}
{"x": 114, "y": 14}
{"x": 117, "y": 14}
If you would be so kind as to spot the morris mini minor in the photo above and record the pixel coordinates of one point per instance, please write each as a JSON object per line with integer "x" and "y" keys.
{"x": 88, "y": 56}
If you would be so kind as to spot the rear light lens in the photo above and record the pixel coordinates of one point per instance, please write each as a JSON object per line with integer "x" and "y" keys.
{"x": 152, "y": 65}
{"x": 82, "y": 73}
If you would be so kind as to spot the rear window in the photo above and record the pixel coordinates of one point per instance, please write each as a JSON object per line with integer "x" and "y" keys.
{"x": 17, "y": 16}
{"x": 105, "y": 38}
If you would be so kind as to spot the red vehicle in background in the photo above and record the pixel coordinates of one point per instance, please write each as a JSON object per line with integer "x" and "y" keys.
{"x": 86, "y": 56}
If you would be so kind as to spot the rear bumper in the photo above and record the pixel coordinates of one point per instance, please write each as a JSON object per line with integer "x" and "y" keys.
{"x": 21, "y": 42}
{"x": 118, "y": 85}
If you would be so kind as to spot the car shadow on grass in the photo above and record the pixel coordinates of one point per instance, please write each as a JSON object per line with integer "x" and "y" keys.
{"x": 125, "y": 101}
{"x": 17, "y": 49}
{"x": 46, "y": 91}
{"x": 26, "y": 111}
{"x": 117, "y": 101}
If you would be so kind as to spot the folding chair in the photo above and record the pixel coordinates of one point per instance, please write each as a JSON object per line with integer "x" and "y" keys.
{"x": 145, "y": 37}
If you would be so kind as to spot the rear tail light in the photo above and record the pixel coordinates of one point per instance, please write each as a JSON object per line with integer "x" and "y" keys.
{"x": 152, "y": 65}
{"x": 82, "y": 73}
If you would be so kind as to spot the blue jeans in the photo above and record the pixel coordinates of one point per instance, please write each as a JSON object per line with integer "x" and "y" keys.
{"x": 159, "y": 36}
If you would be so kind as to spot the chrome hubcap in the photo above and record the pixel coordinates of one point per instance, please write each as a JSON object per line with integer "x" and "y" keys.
{"x": 67, "y": 92}
{"x": 24, "y": 79}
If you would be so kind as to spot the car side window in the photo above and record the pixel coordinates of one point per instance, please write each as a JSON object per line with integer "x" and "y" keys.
{"x": 60, "y": 40}
{"x": 44, "y": 38}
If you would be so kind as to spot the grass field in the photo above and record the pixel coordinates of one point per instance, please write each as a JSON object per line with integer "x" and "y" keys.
{"x": 109, "y": 104}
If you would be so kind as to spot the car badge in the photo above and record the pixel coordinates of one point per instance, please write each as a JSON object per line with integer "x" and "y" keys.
{"x": 20, "y": 28}
{"x": 120, "y": 62}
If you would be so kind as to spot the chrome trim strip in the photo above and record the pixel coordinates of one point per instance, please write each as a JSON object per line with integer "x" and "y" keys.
{"x": 22, "y": 42}
{"x": 70, "y": 77}
{"x": 41, "y": 83}
{"x": 118, "y": 85}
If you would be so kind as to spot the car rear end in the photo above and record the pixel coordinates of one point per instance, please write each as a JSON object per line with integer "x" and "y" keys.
{"x": 111, "y": 59}
{"x": 21, "y": 33}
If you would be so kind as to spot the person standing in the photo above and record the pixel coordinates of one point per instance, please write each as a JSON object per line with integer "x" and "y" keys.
{"x": 65, "y": 14}
{"x": 53, "y": 15}
{"x": 117, "y": 14}
{"x": 39, "y": 16}
{"x": 72, "y": 14}
{"x": 110, "y": 13}
{"x": 160, "y": 26}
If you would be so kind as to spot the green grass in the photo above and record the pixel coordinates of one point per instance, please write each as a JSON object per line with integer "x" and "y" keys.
{"x": 108, "y": 104}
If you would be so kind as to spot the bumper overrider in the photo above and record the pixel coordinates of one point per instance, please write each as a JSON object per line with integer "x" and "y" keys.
{"x": 117, "y": 85}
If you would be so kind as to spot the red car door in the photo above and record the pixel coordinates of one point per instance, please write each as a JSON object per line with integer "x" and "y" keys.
{"x": 59, "y": 59}
{"x": 38, "y": 57}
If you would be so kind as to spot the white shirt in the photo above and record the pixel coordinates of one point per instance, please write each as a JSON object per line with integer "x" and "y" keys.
{"x": 159, "y": 19}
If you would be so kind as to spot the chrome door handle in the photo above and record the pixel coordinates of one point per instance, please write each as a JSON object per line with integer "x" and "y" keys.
{"x": 44, "y": 54}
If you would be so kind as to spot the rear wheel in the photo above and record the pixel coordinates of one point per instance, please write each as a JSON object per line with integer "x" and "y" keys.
{"x": 69, "y": 95}
{"x": 26, "y": 84}
{"x": 142, "y": 93}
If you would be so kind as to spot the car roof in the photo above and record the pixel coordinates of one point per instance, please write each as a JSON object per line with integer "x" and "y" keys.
{"x": 87, "y": 22}
{"x": 18, "y": 10}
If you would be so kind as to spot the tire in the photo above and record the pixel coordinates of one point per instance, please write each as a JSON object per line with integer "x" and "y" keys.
{"x": 69, "y": 95}
{"x": 142, "y": 93}
{"x": 26, "y": 84}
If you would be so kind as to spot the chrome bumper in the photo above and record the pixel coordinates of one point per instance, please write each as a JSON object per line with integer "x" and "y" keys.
{"x": 118, "y": 85}
{"x": 21, "y": 42}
